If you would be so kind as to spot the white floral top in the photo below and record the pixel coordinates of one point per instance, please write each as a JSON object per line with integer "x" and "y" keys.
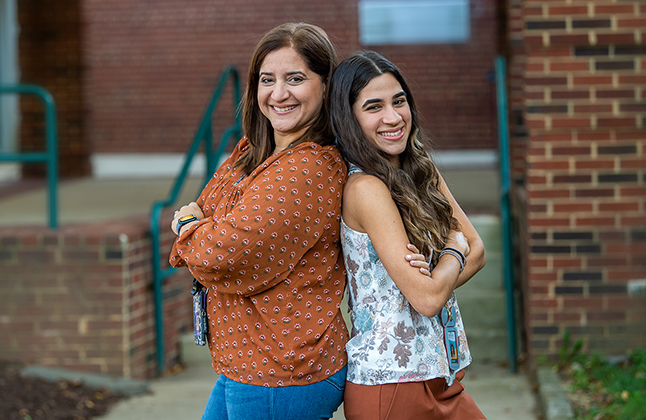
{"x": 391, "y": 342}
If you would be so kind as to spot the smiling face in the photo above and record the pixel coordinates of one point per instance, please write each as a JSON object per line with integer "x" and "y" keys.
{"x": 290, "y": 95}
{"x": 382, "y": 111}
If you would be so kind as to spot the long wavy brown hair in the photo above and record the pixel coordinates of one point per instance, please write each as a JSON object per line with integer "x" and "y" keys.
{"x": 315, "y": 48}
{"x": 414, "y": 186}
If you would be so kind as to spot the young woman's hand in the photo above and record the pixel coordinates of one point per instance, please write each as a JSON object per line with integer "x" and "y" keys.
{"x": 458, "y": 241}
{"x": 418, "y": 260}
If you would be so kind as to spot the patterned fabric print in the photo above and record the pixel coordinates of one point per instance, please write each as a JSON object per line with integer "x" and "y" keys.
{"x": 391, "y": 342}
{"x": 269, "y": 251}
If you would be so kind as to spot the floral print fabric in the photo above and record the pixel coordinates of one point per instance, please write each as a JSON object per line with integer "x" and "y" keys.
{"x": 391, "y": 342}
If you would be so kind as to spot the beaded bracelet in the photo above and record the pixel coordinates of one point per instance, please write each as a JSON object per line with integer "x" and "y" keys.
{"x": 457, "y": 254}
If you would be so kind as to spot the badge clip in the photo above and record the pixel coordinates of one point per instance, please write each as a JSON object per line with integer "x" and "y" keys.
{"x": 200, "y": 325}
{"x": 451, "y": 339}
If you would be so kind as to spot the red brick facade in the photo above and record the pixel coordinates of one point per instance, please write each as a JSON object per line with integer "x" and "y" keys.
{"x": 578, "y": 77}
{"x": 81, "y": 298}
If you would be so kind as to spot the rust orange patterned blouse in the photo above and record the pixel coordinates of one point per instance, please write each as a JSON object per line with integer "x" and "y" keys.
{"x": 269, "y": 251}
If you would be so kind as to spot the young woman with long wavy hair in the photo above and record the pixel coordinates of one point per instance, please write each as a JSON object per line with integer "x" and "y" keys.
{"x": 408, "y": 347}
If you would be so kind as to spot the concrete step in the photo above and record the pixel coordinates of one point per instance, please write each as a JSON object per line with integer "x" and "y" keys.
{"x": 192, "y": 354}
{"x": 488, "y": 226}
{"x": 491, "y": 275}
{"x": 488, "y": 345}
{"x": 477, "y": 190}
{"x": 482, "y": 300}
{"x": 482, "y": 308}
{"x": 484, "y": 316}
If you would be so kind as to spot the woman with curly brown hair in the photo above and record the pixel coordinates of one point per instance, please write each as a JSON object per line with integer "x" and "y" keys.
{"x": 408, "y": 347}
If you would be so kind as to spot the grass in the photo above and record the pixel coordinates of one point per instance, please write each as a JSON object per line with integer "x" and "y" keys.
{"x": 601, "y": 390}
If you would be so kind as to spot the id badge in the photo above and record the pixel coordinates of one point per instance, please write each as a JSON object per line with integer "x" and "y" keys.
{"x": 199, "y": 313}
{"x": 451, "y": 339}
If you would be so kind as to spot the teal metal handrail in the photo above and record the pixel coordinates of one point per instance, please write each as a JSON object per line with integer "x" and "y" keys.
{"x": 204, "y": 135}
{"x": 51, "y": 155}
{"x": 505, "y": 214}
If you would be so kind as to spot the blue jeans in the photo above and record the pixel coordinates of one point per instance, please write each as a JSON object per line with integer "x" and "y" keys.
{"x": 231, "y": 400}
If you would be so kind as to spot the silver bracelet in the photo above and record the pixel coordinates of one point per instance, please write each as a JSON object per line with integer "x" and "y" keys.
{"x": 462, "y": 257}
{"x": 457, "y": 254}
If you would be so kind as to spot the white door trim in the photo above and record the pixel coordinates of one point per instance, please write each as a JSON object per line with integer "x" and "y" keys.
{"x": 9, "y": 74}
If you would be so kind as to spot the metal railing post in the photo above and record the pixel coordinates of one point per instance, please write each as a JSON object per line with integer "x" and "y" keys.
{"x": 203, "y": 135}
{"x": 505, "y": 214}
{"x": 50, "y": 157}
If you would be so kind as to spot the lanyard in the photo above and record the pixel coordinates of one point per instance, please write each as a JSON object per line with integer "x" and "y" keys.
{"x": 451, "y": 339}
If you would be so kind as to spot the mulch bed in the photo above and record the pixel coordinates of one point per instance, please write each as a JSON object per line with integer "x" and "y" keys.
{"x": 27, "y": 398}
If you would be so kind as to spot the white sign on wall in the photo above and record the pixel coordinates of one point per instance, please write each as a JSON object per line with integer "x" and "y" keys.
{"x": 383, "y": 22}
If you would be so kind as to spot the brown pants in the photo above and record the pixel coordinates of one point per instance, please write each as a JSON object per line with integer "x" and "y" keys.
{"x": 432, "y": 400}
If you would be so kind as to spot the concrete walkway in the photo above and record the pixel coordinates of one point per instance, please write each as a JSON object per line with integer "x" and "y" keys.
{"x": 499, "y": 394}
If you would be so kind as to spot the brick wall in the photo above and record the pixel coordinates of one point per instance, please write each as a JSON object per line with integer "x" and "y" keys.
{"x": 151, "y": 66}
{"x": 81, "y": 298}
{"x": 50, "y": 56}
{"x": 580, "y": 77}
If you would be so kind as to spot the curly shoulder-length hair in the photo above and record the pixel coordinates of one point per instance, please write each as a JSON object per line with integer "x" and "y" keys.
{"x": 314, "y": 47}
{"x": 414, "y": 186}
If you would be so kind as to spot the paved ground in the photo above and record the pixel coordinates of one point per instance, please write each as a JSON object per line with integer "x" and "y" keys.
{"x": 177, "y": 397}
{"x": 499, "y": 394}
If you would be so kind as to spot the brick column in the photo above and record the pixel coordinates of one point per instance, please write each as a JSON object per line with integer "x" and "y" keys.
{"x": 81, "y": 298}
{"x": 584, "y": 81}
